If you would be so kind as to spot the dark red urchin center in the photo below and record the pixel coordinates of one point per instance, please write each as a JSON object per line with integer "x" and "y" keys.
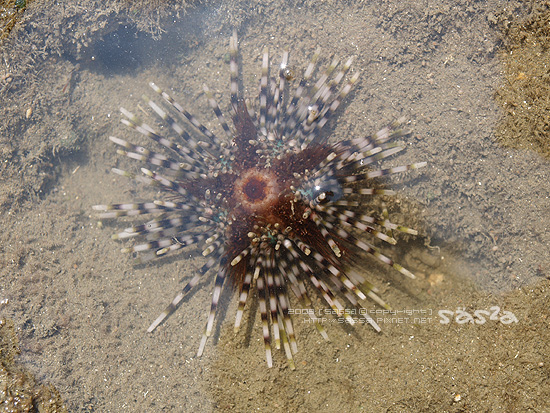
{"x": 256, "y": 190}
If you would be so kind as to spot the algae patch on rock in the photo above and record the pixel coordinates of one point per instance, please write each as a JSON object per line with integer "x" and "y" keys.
{"x": 19, "y": 390}
{"x": 525, "y": 93}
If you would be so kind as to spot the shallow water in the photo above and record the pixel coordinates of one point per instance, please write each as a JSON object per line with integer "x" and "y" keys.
{"x": 81, "y": 308}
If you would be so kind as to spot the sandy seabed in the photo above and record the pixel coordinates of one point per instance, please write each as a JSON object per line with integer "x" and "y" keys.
{"x": 81, "y": 309}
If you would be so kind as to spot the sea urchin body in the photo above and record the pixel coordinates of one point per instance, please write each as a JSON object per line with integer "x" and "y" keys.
{"x": 273, "y": 205}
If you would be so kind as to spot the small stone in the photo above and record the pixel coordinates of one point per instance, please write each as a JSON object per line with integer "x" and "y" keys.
{"x": 435, "y": 279}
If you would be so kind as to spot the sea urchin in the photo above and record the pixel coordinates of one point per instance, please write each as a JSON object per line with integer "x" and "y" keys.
{"x": 272, "y": 203}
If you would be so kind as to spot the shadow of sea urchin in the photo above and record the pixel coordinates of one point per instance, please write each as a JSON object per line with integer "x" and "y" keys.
{"x": 271, "y": 203}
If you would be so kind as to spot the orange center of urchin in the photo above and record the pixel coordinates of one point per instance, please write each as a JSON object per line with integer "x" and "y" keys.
{"x": 256, "y": 190}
